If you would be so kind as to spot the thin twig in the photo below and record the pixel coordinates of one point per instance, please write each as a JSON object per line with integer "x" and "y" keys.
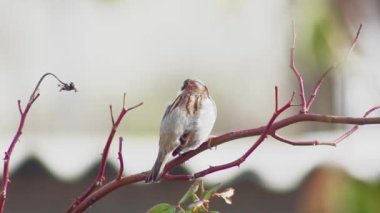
{"x": 299, "y": 143}
{"x": 276, "y": 98}
{"x": 316, "y": 142}
{"x": 354, "y": 42}
{"x": 35, "y": 98}
{"x": 305, "y": 106}
{"x": 64, "y": 86}
{"x": 356, "y": 127}
{"x": 112, "y": 118}
{"x": 124, "y": 98}
{"x": 19, "y": 106}
{"x": 121, "y": 161}
{"x": 137, "y": 105}
{"x": 297, "y": 74}
{"x": 316, "y": 88}
{"x": 345, "y": 135}
{"x": 371, "y": 110}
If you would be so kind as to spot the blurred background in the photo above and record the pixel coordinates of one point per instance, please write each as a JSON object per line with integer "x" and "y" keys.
{"x": 147, "y": 48}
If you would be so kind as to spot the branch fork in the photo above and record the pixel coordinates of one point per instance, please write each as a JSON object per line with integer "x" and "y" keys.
{"x": 87, "y": 195}
{"x": 24, "y": 113}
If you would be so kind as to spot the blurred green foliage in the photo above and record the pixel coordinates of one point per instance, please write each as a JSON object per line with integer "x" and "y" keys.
{"x": 195, "y": 200}
{"x": 362, "y": 197}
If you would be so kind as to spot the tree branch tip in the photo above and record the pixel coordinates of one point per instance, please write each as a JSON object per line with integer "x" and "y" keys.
{"x": 112, "y": 118}
{"x": 326, "y": 144}
{"x": 292, "y": 98}
{"x": 19, "y": 106}
{"x": 134, "y": 107}
{"x": 124, "y": 98}
{"x": 34, "y": 98}
{"x": 359, "y": 31}
{"x": 294, "y": 34}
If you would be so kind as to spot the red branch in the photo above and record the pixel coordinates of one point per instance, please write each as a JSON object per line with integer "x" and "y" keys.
{"x": 275, "y": 98}
{"x": 295, "y": 143}
{"x": 297, "y": 74}
{"x": 100, "y": 177}
{"x": 216, "y": 141}
{"x": 316, "y": 142}
{"x": 24, "y": 114}
{"x": 356, "y": 127}
{"x": 263, "y": 131}
{"x": 305, "y": 106}
{"x": 354, "y": 41}
{"x": 120, "y": 157}
{"x": 316, "y": 88}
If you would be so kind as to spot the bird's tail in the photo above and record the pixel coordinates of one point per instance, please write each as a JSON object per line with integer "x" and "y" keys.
{"x": 155, "y": 173}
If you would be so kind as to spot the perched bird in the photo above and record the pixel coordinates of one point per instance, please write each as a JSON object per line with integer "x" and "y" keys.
{"x": 187, "y": 122}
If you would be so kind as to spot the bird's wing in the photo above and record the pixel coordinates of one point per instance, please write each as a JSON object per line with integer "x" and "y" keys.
{"x": 184, "y": 140}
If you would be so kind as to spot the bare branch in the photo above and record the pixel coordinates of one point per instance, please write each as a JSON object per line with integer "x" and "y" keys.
{"x": 276, "y": 98}
{"x": 216, "y": 141}
{"x": 371, "y": 110}
{"x": 124, "y": 97}
{"x": 19, "y": 107}
{"x": 112, "y": 118}
{"x": 34, "y": 98}
{"x": 133, "y": 107}
{"x": 269, "y": 129}
{"x": 100, "y": 177}
{"x": 318, "y": 84}
{"x": 106, "y": 189}
{"x": 8, "y": 153}
{"x": 120, "y": 157}
{"x": 356, "y": 127}
{"x": 64, "y": 86}
{"x": 316, "y": 88}
{"x": 316, "y": 142}
{"x": 299, "y": 143}
{"x": 354, "y": 42}
{"x": 297, "y": 74}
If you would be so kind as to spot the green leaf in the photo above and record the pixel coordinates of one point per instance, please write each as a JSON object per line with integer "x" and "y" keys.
{"x": 202, "y": 188}
{"x": 190, "y": 192}
{"x": 208, "y": 193}
{"x": 162, "y": 208}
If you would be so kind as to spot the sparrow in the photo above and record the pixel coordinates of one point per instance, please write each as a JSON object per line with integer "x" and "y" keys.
{"x": 186, "y": 123}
